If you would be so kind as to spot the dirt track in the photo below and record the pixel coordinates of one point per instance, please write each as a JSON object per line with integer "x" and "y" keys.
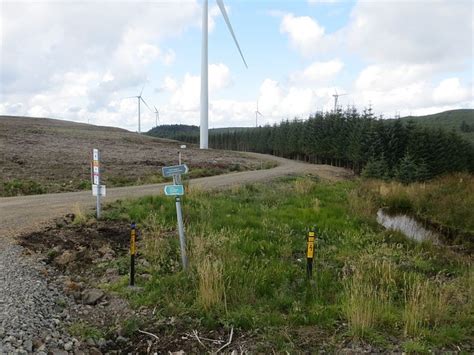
{"x": 25, "y": 213}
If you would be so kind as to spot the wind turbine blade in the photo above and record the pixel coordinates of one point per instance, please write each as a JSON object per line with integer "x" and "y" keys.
{"x": 156, "y": 110}
{"x": 141, "y": 92}
{"x": 129, "y": 97}
{"x": 221, "y": 5}
{"x": 146, "y": 104}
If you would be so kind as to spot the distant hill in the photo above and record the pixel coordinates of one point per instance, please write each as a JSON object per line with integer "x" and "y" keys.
{"x": 188, "y": 133}
{"x": 449, "y": 120}
{"x": 39, "y": 155}
{"x": 462, "y": 121}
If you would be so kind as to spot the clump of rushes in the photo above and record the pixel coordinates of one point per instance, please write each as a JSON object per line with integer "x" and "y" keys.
{"x": 80, "y": 217}
{"x": 368, "y": 294}
{"x": 211, "y": 283}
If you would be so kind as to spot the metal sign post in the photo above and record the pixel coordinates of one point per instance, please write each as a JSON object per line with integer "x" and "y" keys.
{"x": 177, "y": 190}
{"x": 182, "y": 237}
{"x": 96, "y": 179}
{"x": 310, "y": 253}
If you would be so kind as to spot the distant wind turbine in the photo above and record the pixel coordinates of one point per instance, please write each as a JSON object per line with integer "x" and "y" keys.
{"x": 140, "y": 98}
{"x": 336, "y": 97}
{"x": 157, "y": 116}
{"x": 204, "y": 129}
{"x": 257, "y": 112}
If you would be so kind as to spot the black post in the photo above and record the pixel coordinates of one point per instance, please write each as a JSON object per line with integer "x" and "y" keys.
{"x": 133, "y": 250}
{"x": 310, "y": 253}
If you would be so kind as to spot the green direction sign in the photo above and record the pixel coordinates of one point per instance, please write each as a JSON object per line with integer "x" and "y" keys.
{"x": 174, "y": 190}
{"x": 169, "y": 171}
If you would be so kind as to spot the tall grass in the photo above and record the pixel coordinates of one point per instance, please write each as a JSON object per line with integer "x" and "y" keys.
{"x": 368, "y": 294}
{"x": 211, "y": 283}
{"x": 80, "y": 217}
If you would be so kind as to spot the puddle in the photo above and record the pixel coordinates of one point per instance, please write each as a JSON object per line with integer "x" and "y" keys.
{"x": 407, "y": 225}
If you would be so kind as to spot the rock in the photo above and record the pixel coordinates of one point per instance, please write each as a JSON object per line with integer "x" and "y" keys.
{"x": 107, "y": 252}
{"x": 2, "y": 332}
{"x": 121, "y": 340}
{"x": 28, "y": 345}
{"x": 68, "y": 346}
{"x": 91, "y": 297}
{"x": 10, "y": 339}
{"x": 101, "y": 343}
{"x": 37, "y": 342}
{"x": 65, "y": 258}
{"x": 56, "y": 351}
{"x": 94, "y": 351}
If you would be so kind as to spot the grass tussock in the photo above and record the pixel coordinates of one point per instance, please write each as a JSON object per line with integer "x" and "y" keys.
{"x": 211, "y": 283}
{"x": 80, "y": 216}
{"x": 368, "y": 294}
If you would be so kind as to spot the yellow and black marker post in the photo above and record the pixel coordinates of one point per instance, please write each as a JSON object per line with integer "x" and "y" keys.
{"x": 310, "y": 253}
{"x": 133, "y": 251}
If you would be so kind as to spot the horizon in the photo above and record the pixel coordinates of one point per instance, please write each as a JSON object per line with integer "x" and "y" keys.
{"x": 298, "y": 54}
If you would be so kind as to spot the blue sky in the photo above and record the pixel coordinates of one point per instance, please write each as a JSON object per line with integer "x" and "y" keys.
{"x": 79, "y": 60}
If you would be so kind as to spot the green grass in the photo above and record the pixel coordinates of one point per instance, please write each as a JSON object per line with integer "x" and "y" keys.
{"x": 17, "y": 187}
{"x": 246, "y": 250}
{"x": 85, "y": 331}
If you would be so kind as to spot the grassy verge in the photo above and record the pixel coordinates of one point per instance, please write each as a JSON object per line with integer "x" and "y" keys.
{"x": 247, "y": 269}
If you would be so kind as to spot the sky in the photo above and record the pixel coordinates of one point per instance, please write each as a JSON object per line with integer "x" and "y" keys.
{"x": 80, "y": 60}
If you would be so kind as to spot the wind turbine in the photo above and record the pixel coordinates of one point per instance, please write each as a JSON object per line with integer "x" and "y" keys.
{"x": 336, "y": 97}
{"x": 204, "y": 129}
{"x": 257, "y": 112}
{"x": 140, "y": 98}
{"x": 157, "y": 116}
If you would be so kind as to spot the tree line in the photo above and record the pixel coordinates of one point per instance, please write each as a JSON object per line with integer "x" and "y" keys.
{"x": 356, "y": 140}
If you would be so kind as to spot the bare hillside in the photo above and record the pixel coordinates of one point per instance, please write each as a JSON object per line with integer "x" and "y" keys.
{"x": 40, "y": 155}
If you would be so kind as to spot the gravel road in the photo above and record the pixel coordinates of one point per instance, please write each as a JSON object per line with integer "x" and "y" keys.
{"x": 33, "y": 312}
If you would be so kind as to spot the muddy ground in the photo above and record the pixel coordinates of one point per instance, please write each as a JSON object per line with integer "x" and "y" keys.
{"x": 42, "y": 155}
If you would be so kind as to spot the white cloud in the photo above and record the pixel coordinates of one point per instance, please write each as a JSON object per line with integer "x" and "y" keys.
{"x": 186, "y": 95}
{"x": 407, "y": 89}
{"x": 318, "y": 71}
{"x": 304, "y": 32}
{"x": 412, "y": 31}
{"x": 450, "y": 91}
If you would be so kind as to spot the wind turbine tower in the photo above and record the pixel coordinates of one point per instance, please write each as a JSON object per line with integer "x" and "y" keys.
{"x": 257, "y": 112}
{"x": 157, "y": 116}
{"x": 204, "y": 128}
{"x": 336, "y": 97}
{"x": 140, "y": 98}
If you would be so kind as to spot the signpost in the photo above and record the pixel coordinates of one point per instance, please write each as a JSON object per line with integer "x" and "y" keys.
{"x": 176, "y": 170}
{"x": 97, "y": 189}
{"x": 310, "y": 253}
{"x": 174, "y": 190}
{"x": 177, "y": 190}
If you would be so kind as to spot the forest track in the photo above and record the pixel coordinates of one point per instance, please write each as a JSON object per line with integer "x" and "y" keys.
{"x": 28, "y": 213}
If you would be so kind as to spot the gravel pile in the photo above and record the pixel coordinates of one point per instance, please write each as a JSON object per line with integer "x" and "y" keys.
{"x": 33, "y": 312}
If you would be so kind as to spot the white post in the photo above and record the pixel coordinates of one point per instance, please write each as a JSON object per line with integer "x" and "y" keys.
{"x": 204, "y": 81}
{"x": 139, "y": 126}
